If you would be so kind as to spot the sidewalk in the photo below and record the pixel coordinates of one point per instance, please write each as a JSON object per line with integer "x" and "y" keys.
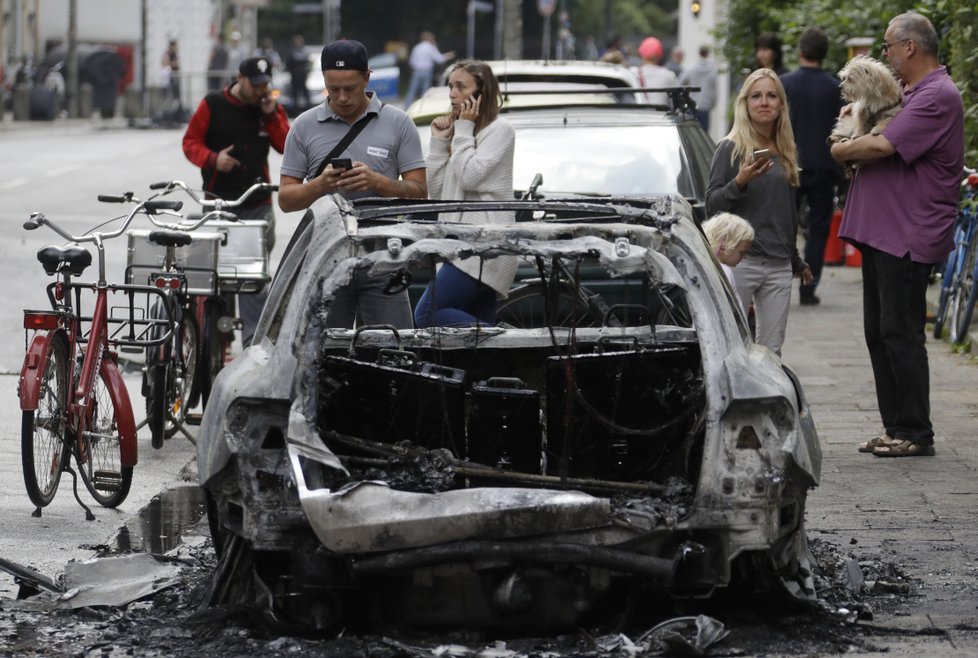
{"x": 95, "y": 122}
{"x": 919, "y": 513}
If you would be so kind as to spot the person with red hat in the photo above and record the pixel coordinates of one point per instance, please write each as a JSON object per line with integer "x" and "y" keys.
{"x": 651, "y": 74}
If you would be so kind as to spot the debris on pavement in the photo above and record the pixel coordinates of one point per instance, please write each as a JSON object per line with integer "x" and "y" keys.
{"x": 169, "y": 622}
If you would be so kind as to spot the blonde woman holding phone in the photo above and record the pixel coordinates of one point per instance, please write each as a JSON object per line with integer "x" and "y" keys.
{"x": 755, "y": 175}
{"x": 471, "y": 158}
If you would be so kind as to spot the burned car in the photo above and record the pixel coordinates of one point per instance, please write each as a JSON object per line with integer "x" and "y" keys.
{"x": 615, "y": 435}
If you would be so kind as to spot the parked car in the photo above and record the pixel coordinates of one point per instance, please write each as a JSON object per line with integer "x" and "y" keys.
{"x": 604, "y": 74}
{"x": 533, "y": 474}
{"x": 582, "y": 144}
{"x": 517, "y": 78}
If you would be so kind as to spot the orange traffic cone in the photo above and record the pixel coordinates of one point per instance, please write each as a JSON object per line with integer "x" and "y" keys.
{"x": 834, "y": 246}
{"x": 854, "y": 257}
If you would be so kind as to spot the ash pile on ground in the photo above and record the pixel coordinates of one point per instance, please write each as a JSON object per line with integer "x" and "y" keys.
{"x": 170, "y": 623}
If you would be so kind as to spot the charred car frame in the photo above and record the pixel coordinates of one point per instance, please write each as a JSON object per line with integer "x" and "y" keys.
{"x": 616, "y": 434}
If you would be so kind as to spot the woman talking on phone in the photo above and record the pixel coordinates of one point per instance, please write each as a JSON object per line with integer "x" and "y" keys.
{"x": 754, "y": 174}
{"x": 470, "y": 158}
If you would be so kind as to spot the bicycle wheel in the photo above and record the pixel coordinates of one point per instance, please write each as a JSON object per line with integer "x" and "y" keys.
{"x": 212, "y": 349}
{"x": 963, "y": 305}
{"x": 100, "y": 452}
{"x": 947, "y": 281}
{"x": 524, "y": 308}
{"x": 182, "y": 375}
{"x": 154, "y": 384}
{"x": 43, "y": 446}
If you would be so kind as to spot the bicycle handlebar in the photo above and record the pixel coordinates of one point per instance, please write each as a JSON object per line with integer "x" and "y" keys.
{"x": 150, "y": 208}
{"x": 213, "y": 204}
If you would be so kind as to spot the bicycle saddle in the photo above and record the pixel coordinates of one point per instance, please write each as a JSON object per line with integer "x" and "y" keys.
{"x": 170, "y": 238}
{"x": 72, "y": 259}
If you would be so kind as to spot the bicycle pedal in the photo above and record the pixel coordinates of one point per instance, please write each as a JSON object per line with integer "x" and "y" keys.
{"x": 192, "y": 419}
{"x": 107, "y": 481}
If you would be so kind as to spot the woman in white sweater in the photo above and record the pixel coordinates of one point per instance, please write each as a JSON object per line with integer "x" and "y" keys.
{"x": 471, "y": 158}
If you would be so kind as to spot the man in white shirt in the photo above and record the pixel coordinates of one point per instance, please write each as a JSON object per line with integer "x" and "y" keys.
{"x": 425, "y": 56}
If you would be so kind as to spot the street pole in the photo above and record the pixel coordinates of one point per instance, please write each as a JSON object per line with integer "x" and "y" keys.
{"x": 497, "y": 46}
{"x": 143, "y": 95}
{"x": 331, "y": 20}
{"x": 472, "y": 9}
{"x": 72, "y": 78}
{"x": 545, "y": 48}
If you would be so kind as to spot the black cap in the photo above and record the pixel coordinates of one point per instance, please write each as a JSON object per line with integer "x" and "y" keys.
{"x": 345, "y": 54}
{"x": 257, "y": 69}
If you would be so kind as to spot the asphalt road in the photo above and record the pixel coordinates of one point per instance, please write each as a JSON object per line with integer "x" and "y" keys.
{"x": 60, "y": 169}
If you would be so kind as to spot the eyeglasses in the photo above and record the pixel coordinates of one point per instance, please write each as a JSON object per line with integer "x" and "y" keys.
{"x": 887, "y": 46}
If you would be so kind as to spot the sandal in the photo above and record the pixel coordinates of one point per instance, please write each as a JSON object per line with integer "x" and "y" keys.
{"x": 878, "y": 442}
{"x": 905, "y": 449}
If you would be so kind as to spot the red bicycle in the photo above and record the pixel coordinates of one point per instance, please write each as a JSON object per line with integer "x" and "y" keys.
{"x": 73, "y": 399}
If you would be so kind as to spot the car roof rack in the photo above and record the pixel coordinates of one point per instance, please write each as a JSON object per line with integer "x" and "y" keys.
{"x": 621, "y": 209}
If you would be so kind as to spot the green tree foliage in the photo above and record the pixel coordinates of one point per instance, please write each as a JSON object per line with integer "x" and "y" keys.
{"x": 632, "y": 20}
{"x": 956, "y": 22}
{"x": 963, "y": 63}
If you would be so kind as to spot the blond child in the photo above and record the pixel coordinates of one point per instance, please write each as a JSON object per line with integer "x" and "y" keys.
{"x": 730, "y": 236}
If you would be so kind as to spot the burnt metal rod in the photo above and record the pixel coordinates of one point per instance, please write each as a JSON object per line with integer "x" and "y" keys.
{"x": 470, "y": 469}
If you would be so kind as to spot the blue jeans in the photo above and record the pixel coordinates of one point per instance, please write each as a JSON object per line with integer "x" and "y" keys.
{"x": 454, "y": 299}
{"x": 421, "y": 80}
{"x": 894, "y": 314}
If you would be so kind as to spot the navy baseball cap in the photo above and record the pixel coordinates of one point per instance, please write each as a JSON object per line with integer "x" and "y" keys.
{"x": 345, "y": 54}
{"x": 257, "y": 69}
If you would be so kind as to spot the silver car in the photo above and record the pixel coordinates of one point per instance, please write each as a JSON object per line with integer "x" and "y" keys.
{"x": 615, "y": 434}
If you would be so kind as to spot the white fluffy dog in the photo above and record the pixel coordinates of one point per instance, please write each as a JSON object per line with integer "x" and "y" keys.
{"x": 875, "y": 96}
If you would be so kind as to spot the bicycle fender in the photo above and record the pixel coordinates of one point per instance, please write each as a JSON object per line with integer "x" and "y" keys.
{"x": 32, "y": 371}
{"x": 128, "y": 452}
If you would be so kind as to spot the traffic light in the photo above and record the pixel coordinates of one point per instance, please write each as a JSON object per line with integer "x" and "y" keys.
{"x": 695, "y": 7}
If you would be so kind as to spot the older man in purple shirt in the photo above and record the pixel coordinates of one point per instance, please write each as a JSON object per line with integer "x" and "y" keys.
{"x": 900, "y": 214}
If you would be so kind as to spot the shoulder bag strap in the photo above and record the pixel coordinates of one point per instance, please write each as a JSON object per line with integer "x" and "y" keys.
{"x": 350, "y": 135}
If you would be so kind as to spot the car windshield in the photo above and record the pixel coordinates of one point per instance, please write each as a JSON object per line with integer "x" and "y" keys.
{"x": 615, "y": 160}
{"x": 606, "y": 160}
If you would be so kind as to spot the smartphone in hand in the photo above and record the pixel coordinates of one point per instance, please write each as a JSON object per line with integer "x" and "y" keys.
{"x": 341, "y": 163}
{"x": 761, "y": 153}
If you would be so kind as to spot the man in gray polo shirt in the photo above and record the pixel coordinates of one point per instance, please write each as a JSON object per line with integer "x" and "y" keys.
{"x": 387, "y": 161}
